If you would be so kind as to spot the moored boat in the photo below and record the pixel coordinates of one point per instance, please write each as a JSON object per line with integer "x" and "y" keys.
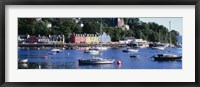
{"x": 169, "y": 56}
{"x": 23, "y": 60}
{"x": 92, "y": 52}
{"x": 56, "y": 50}
{"x": 134, "y": 56}
{"x": 100, "y": 48}
{"x": 130, "y": 50}
{"x": 96, "y": 61}
{"x": 166, "y": 57}
{"x": 159, "y": 47}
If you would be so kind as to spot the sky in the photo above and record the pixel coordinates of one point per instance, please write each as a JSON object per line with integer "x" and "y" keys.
{"x": 176, "y": 22}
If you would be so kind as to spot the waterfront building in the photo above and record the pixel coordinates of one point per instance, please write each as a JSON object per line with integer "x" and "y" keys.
{"x": 22, "y": 38}
{"x": 43, "y": 39}
{"x": 93, "y": 38}
{"x": 87, "y": 38}
{"x": 32, "y": 39}
{"x": 78, "y": 38}
{"x": 104, "y": 38}
{"x": 56, "y": 39}
{"x": 90, "y": 38}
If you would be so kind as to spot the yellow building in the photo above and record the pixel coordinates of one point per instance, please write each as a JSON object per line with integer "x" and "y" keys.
{"x": 87, "y": 39}
{"x": 95, "y": 38}
{"x": 91, "y": 38}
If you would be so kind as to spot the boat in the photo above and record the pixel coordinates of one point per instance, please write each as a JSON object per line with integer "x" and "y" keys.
{"x": 134, "y": 56}
{"x": 91, "y": 51}
{"x": 23, "y": 66}
{"x": 169, "y": 56}
{"x": 23, "y": 60}
{"x": 159, "y": 47}
{"x": 56, "y": 50}
{"x": 130, "y": 50}
{"x": 94, "y": 52}
{"x": 179, "y": 46}
{"x": 100, "y": 48}
{"x": 138, "y": 45}
{"x": 97, "y": 60}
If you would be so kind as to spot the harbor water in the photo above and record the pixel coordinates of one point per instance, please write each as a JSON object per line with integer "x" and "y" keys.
{"x": 39, "y": 58}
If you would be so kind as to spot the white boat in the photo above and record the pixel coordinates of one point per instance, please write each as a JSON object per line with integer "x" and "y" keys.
{"x": 130, "y": 50}
{"x": 23, "y": 60}
{"x": 159, "y": 47}
{"x": 56, "y": 50}
{"x": 100, "y": 48}
{"x": 94, "y": 52}
{"x": 97, "y": 60}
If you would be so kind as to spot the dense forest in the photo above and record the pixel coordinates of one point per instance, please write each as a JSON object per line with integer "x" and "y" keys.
{"x": 66, "y": 26}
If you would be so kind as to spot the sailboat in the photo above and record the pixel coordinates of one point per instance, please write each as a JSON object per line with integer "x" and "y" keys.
{"x": 92, "y": 51}
{"x": 55, "y": 50}
{"x": 169, "y": 56}
{"x": 101, "y": 47}
{"x": 159, "y": 46}
{"x": 96, "y": 60}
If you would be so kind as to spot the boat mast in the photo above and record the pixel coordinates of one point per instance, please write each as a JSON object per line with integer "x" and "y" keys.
{"x": 101, "y": 34}
{"x": 169, "y": 35}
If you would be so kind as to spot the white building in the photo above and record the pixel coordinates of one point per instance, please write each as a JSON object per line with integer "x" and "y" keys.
{"x": 49, "y": 25}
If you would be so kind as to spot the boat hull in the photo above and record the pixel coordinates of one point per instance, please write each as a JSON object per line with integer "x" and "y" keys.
{"x": 167, "y": 58}
{"x": 159, "y": 48}
{"x": 96, "y": 62}
{"x": 130, "y": 50}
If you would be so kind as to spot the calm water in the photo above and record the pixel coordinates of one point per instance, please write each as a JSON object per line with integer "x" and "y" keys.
{"x": 68, "y": 59}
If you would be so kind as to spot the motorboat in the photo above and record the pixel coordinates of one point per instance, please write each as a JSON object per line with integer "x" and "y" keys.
{"x": 134, "y": 56}
{"x": 100, "y": 48}
{"x": 56, "y": 50}
{"x": 130, "y": 50}
{"x": 165, "y": 57}
{"x": 159, "y": 47}
{"x": 97, "y": 60}
{"x": 23, "y": 60}
{"x": 92, "y": 52}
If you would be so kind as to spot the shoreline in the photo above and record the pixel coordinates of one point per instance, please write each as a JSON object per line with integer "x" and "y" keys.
{"x": 67, "y": 45}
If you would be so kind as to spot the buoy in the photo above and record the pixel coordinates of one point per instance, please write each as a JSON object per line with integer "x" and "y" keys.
{"x": 118, "y": 62}
{"x": 45, "y": 57}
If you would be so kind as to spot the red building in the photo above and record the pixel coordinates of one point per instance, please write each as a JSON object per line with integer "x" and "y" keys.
{"x": 32, "y": 39}
{"x": 78, "y": 38}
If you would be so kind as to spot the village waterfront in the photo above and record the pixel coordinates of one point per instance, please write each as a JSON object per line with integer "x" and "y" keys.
{"x": 99, "y": 43}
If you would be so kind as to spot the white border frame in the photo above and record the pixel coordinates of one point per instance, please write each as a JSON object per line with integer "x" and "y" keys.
{"x": 186, "y": 74}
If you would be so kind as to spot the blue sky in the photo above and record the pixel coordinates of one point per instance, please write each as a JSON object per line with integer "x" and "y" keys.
{"x": 176, "y": 22}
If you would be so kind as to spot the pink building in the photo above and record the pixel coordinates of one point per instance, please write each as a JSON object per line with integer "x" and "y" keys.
{"x": 78, "y": 38}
